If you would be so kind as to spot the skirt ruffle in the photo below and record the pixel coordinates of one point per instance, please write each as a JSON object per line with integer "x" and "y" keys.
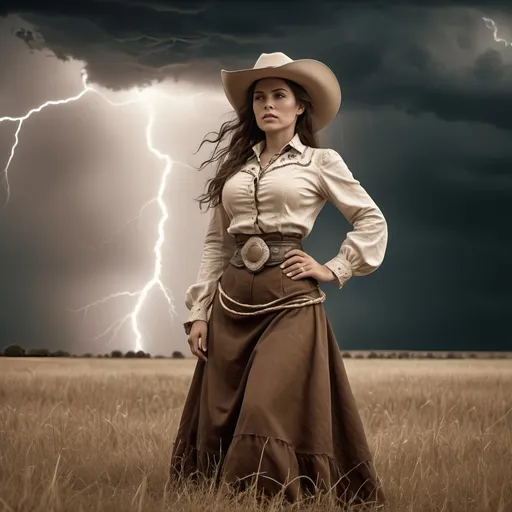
{"x": 272, "y": 466}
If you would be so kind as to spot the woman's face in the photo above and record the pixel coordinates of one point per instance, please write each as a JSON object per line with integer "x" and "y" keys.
{"x": 274, "y": 105}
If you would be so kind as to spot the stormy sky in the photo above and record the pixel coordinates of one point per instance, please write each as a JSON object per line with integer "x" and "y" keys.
{"x": 425, "y": 126}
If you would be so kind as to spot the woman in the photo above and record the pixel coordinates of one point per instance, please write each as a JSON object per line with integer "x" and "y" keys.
{"x": 269, "y": 401}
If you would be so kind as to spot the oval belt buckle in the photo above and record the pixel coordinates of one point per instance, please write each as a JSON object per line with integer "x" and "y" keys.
{"x": 255, "y": 253}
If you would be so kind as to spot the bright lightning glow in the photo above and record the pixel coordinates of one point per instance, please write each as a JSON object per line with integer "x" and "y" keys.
{"x": 156, "y": 279}
{"x": 22, "y": 119}
{"x": 491, "y": 25}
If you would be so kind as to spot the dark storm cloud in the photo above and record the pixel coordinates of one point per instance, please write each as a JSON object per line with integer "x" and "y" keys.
{"x": 446, "y": 190}
{"x": 384, "y": 52}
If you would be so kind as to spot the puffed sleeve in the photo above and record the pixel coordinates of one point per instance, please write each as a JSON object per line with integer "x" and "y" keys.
{"x": 217, "y": 250}
{"x": 363, "y": 249}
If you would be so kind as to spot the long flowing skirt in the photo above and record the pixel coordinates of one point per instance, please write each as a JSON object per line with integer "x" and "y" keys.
{"x": 273, "y": 406}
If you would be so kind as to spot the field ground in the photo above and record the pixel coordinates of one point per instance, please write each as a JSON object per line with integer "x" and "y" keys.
{"x": 96, "y": 434}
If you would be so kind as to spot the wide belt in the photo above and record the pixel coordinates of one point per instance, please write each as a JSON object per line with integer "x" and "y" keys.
{"x": 257, "y": 253}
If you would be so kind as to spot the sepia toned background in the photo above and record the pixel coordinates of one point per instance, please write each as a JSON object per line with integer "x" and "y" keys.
{"x": 424, "y": 126}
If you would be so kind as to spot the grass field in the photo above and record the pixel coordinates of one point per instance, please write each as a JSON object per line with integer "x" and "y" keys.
{"x": 96, "y": 434}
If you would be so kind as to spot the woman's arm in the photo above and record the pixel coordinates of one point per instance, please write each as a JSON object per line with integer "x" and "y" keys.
{"x": 363, "y": 249}
{"x": 217, "y": 250}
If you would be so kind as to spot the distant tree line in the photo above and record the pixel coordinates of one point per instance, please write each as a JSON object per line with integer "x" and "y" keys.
{"x": 19, "y": 351}
{"x": 422, "y": 355}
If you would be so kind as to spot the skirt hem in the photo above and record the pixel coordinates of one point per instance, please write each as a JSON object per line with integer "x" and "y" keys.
{"x": 296, "y": 474}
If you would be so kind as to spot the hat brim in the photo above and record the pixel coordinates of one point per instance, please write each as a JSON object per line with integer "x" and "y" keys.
{"x": 317, "y": 79}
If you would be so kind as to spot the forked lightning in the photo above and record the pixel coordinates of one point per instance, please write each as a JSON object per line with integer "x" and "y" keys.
{"x": 141, "y": 295}
{"x": 490, "y": 24}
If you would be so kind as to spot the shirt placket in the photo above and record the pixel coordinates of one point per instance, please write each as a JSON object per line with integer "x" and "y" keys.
{"x": 256, "y": 180}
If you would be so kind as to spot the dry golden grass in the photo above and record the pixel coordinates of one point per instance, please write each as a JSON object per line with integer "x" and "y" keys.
{"x": 96, "y": 434}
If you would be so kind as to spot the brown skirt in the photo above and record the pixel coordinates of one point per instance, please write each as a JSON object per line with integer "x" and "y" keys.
{"x": 273, "y": 404}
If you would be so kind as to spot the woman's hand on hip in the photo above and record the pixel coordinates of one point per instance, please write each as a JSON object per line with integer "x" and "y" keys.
{"x": 299, "y": 264}
{"x": 197, "y": 339}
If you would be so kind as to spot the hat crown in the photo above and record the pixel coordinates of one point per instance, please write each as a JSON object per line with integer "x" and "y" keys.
{"x": 272, "y": 60}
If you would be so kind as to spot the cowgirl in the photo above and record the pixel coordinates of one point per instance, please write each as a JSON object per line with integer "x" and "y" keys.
{"x": 270, "y": 395}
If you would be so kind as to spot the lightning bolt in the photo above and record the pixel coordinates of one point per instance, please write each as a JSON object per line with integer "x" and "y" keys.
{"x": 141, "y": 295}
{"x": 491, "y": 25}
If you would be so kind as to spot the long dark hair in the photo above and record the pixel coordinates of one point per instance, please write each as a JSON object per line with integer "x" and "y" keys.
{"x": 245, "y": 133}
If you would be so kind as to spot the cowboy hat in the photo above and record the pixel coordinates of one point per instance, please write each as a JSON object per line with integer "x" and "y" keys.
{"x": 318, "y": 80}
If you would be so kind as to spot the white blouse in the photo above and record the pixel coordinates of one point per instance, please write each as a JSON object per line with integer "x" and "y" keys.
{"x": 289, "y": 195}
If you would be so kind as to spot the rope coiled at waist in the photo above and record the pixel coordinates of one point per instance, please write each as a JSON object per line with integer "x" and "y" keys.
{"x": 299, "y": 300}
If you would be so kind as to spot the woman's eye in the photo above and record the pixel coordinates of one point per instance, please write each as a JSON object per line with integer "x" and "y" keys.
{"x": 278, "y": 95}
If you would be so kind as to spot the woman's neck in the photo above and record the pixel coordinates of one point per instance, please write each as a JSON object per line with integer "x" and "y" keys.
{"x": 275, "y": 142}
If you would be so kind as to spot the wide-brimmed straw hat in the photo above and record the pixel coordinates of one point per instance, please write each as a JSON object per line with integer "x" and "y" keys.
{"x": 316, "y": 78}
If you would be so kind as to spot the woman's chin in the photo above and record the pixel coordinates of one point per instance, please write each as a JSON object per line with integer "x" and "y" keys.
{"x": 271, "y": 128}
